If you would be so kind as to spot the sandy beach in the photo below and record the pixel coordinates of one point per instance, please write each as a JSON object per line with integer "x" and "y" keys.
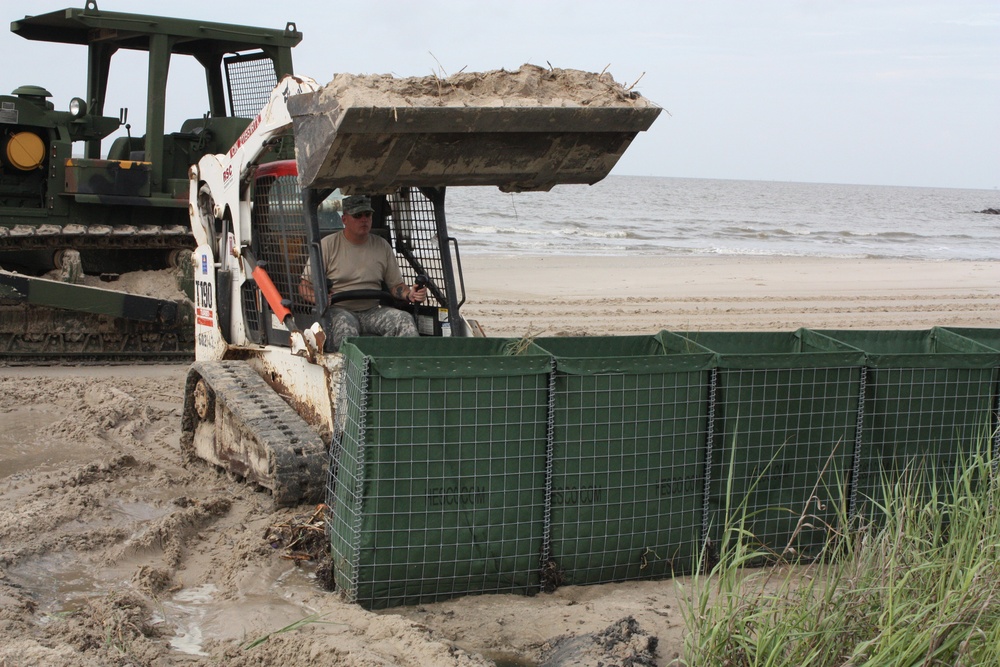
{"x": 113, "y": 552}
{"x": 643, "y": 294}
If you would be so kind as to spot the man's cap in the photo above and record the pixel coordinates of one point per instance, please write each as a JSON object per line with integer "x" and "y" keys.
{"x": 355, "y": 204}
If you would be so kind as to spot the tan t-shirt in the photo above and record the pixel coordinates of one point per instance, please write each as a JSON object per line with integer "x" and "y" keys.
{"x": 351, "y": 267}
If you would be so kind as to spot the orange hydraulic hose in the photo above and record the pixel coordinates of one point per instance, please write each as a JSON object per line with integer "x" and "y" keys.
{"x": 270, "y": 293}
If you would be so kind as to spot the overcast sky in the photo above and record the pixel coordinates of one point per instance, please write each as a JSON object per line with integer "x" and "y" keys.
{"x": 898, "y": 92}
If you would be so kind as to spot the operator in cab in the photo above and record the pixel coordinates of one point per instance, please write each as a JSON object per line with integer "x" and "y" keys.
{"x": 355, "y": 259}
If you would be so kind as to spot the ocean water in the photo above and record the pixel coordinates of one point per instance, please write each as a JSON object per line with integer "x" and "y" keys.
{"x": 627, "y": 215}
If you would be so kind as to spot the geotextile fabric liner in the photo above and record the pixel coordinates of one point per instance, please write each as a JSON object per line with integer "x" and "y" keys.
{"x": 929, "y": 399}
{"x": 988, "y": 337}
{"x": 627, "y": 457}
{"x": 440, "y": 470}
{"x": 783, "y": 435}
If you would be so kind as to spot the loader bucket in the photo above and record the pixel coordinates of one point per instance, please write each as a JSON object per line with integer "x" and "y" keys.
{"x": 525, "y": 130}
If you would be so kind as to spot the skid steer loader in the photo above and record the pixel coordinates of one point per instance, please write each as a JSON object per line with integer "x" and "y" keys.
{"x": 261, "y": 397}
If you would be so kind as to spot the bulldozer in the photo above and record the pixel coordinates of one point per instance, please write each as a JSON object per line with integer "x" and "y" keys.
{"x": 77, "y": 201}
{"x": 261, "y": 398}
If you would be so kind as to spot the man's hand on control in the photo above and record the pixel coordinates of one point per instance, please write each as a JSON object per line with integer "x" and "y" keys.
{"x": 417, "y": 294}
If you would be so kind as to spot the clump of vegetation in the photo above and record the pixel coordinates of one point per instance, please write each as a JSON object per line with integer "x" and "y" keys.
{"x": 915, "y": 581}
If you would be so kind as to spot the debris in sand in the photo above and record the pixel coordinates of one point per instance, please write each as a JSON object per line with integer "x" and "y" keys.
{"x": 621, "y": 644}
{"x": 300, "y": 540}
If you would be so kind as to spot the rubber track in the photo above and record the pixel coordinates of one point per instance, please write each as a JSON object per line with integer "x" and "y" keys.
{"x": 297, "y": 456}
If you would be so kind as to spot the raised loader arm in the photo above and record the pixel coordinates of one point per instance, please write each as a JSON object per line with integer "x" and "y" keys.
{"x": 217, "y": 181}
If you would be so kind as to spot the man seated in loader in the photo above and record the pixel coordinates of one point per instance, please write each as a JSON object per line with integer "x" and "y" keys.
{"x": 356, "y": 259}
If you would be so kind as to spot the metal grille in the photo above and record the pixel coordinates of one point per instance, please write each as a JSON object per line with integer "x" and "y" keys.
{"x": 280, "y": 235}
{"x": 781, "y": 456}
{"x": 251, "y": 298}
{"x": 250, "y": 79}
{"x": 415, "y": 238}
{"x": 922, "y": 418}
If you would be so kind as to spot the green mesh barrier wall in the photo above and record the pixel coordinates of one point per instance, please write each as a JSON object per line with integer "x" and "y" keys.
{"x": 438, "y": 482}
{"x": 928, "y": 403}
{"x": 786, "y": 414}
{"x": 629, "y": 431}
{"x": 464, "y": 466}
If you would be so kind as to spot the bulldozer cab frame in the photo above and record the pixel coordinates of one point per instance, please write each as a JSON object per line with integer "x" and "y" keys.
{"x": 288, "y": 223}
{"x": 241, "y": 64}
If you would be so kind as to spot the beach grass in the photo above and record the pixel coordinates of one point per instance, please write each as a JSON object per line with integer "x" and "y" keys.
{"x": 915, "y": 581}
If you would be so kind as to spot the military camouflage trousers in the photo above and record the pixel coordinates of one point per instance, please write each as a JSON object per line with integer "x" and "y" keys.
{"x": 377, "y": 321}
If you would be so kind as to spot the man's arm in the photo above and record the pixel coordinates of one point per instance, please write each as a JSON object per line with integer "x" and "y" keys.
{"x": 306, "y": 290}
{"x": 392, "y": 276}
{"x": 404, "y": 292}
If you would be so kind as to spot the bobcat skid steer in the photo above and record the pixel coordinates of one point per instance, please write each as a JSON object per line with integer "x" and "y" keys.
{"x": 261, "y": 397}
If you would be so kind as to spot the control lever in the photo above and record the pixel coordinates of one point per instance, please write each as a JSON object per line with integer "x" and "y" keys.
{"x": 420, "y": 282}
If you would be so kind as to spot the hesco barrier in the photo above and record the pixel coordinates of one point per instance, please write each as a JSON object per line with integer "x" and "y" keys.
{"x": 785, "y": 423}
{"x": 464, "y": 466}
{"x": 438, "y": 481}
{"x": 929, "y": 399}
{"x": 627, "y": 457}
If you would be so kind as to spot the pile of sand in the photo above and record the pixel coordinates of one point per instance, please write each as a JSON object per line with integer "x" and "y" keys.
{"x": 530, "y": 85}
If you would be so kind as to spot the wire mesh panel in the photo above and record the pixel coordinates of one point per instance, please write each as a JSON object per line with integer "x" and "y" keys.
{"x": 786, "y": 419}
{"x": 627, "y": 471}
{"x": 991, "y": 339}
{"x": 415, "y": 237}
{"x": 440, "y": 470}
{"x": 251, "y": 79}
{"x": 280, "y": 235}
{"x": 928, "y": 404}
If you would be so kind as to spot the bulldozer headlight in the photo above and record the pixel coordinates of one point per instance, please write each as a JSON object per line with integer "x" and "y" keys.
{"x": 77, "y": 107}
{"x": 24, "y": 151}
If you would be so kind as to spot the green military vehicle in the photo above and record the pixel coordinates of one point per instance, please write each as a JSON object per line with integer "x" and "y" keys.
{"x": 77, "y": 203}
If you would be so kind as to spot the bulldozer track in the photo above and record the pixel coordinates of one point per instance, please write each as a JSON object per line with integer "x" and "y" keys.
{"x": 77, "y": 237}
{"x": 257, "y": 435}
{"x": 31, "y": 335}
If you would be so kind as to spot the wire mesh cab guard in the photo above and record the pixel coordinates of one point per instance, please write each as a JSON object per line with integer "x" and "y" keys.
{"x": 250, "y": 79}
{"x": 288, "y": 224}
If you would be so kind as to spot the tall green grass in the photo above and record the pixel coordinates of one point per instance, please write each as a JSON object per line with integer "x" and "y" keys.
{"x": 915, "y": 581}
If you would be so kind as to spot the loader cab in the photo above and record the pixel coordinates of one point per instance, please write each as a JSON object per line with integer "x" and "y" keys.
{"x": 288, "y": 222}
